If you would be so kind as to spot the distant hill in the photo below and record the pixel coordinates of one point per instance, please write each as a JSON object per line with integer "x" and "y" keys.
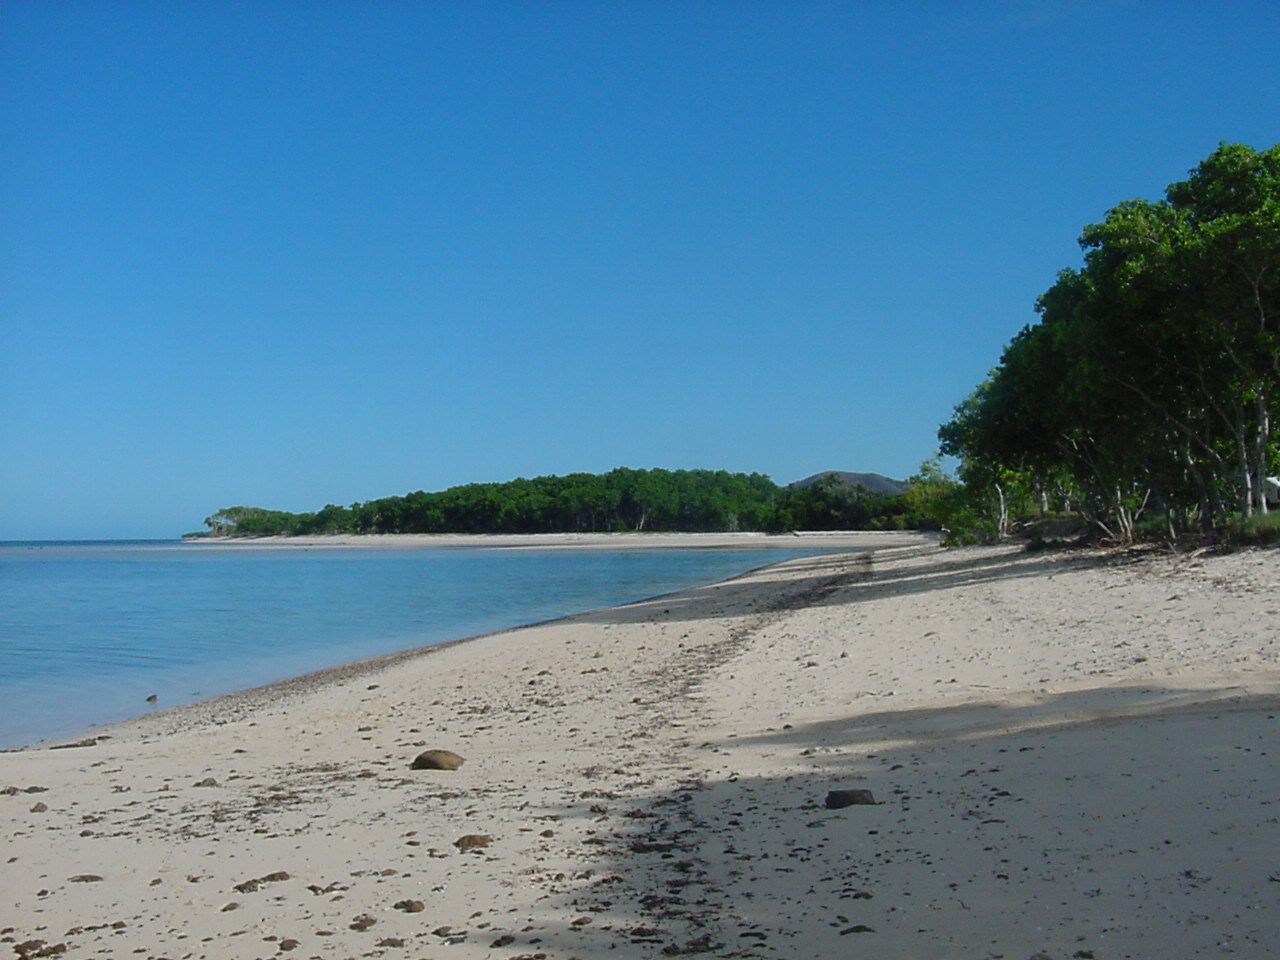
{"x": 874, "y": 482}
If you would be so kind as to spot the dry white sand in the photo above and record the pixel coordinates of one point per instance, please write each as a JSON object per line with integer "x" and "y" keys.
{"x": 1072, "y": 756}
{"x": 803, "y": 539}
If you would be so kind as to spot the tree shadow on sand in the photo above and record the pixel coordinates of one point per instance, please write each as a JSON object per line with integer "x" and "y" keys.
{"x": 811, "y": 582}
{"x": 1083, "y": 824}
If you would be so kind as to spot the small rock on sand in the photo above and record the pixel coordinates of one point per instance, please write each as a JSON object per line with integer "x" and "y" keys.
{"x": 437, "y": 760}
{"x": 848, "y": 798}
{"x": 251, "y": 886}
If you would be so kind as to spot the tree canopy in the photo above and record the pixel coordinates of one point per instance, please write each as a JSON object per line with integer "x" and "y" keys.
{"x": 621, "y": 500}
{"x": 1152, "y": 376}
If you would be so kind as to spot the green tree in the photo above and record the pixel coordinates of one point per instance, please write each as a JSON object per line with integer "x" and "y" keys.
{"x": 1154, "y": 372}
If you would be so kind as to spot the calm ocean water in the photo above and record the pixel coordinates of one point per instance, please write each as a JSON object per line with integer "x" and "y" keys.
{"x": 89, "y": 630}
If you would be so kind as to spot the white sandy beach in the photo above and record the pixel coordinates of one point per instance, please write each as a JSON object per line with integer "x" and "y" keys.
{"x": 804, "y": 539}
{"x": 1072, "y": 755}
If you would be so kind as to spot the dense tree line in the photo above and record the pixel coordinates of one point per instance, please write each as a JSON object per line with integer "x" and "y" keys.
{"x": 618, "y": 501}
{"x": 1149, "y": 386}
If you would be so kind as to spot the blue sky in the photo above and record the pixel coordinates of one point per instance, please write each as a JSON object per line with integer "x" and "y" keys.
{"x": 293, "y": 253}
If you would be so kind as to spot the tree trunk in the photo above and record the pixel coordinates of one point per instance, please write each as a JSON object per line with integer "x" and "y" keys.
{"x": 1261, "y": 441}
{"x": 1245, "y": 488}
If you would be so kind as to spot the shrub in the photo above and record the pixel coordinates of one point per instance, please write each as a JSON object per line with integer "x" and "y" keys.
{"x": 1259, "y": 530}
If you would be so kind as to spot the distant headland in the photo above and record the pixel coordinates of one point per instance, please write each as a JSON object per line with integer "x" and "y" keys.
{"x": 623, "y": 500}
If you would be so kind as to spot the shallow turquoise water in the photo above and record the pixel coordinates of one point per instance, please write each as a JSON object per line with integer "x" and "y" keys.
{"x": 89, "y": 630}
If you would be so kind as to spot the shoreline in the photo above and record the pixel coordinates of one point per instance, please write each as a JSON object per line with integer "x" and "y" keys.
{"x": 240, "y": 703}
{"x": 1067, "y": 753}
{"x": 237, "y": 701}
{"x": 836, "y": 539}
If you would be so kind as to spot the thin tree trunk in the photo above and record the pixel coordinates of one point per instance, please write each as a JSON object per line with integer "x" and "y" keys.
{"x": 1263, "y": 427}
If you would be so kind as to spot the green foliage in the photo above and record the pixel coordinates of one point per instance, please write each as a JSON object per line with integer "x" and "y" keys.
{"x": 830, "y": 503}
{"x": 253, "y": 522}
{"x": 621, "y": 500}
{"x": 935, "y": 500}
{"x": 933, "y": 496}
{"x": 1257, "y": 530}
{"x": 1150, "y": 382}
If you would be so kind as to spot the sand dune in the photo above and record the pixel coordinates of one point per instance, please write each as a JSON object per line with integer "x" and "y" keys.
{"x": 1071, "y": 756}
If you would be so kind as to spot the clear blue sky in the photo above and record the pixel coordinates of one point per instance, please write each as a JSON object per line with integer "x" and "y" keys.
{"x": 291, "y": 253}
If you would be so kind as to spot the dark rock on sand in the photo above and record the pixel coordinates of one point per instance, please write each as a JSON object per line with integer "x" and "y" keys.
{"x": 849, "y": 798}
{"x": 437, "y": 760}
{"x": 249, "y": 886}
{"x": 702, "y": 944}
{"x": 32, "y": 949}
{"x": 91, "y": 742}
